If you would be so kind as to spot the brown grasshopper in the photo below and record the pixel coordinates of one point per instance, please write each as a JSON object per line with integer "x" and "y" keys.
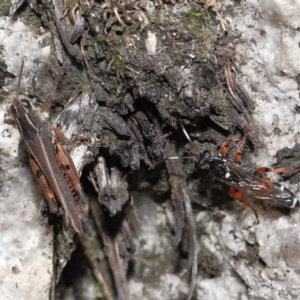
{"x": 49, "y": 161}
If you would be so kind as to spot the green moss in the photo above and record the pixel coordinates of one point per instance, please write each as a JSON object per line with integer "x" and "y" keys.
{"x": 204, "y": 251}
{"x": 112, "y": 100}
{"x": 194, "y": 16}
{"x": 4, "y": 8}
{"x": 200, "y": 25}
{"x": 45, "y": 41}
{"x": 72, "y": 3}
{"x": 218, "y": 101}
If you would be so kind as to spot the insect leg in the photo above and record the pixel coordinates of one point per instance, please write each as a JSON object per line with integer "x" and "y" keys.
{"x": 48, "y": 100}
{"x": 278, "y": 170}
{"x": 60, "y": 136}
{"x": 224, "y": 145}
{"x": 68, "y": 168}
{"x": 64, "y": 140}
{"x": 239, "y": 147}
{"x": 237, "y": 195}
{"x": 48, "y": 193}
{"x": 246, "y": 204}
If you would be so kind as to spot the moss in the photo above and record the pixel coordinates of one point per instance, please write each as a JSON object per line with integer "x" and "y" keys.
{"x": 218, "y": 101}
{"x": 112, "y": 100}
{"x": 4, "y": 8}
{"x": 32, "y": 20}
{"x": 194, "y": 16}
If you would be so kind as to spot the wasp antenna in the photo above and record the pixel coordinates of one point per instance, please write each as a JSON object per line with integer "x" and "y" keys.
{"x": 184, "y": 131}
{"x": 178, "y": 157}
{"x": 193, "y": 145}
{"x": 19, "y": 81}
{"x": 172, "y": 158}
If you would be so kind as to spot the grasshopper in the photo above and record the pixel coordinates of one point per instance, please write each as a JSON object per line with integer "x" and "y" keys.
{"x": 49, "y": 161}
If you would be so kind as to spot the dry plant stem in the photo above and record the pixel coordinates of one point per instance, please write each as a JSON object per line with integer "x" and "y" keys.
{"x": 110, "y": 185}
{"x": 235, "y": 100}
{"x": 89, "y": 253}
{"x": 53, "y": 279}
{"x": 120, "y": 270}
{"x": 229, "y": 79}
{"x": 182, "y": 203}
{"x": 128, "y": 236}
{"x": 112, "y": 253}
{"x": 241, "y": 92}
{"x": 64, "y": 35}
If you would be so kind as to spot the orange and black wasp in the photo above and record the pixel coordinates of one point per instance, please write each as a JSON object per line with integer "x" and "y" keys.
{"x": 243, "y": 180}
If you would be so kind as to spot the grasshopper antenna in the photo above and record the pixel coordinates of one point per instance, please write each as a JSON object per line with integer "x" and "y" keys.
{"x": 19, "y": 81}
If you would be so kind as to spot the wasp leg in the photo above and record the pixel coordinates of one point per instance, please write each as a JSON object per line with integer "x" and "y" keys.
{"x": 267, "y": 182}
{"x": 224, "y": 145}
{"x": 246, "y": 204}
{"x": 237, "y": 195}
{"x": 68, "y": 168}
{"x": 278, "y": 170}
{"x": 239, "y": 147}
{"x": 48, "y": 193}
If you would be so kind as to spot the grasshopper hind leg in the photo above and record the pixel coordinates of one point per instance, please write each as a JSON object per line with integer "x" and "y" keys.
{"x": 48, "y": 193}
{"x": 68, "y": 168}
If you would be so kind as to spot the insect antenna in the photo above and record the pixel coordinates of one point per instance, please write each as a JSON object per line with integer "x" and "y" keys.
{"x": 19, "y": 84}
{"x": 19, "y": 81}
{"x": 194, "y": 152}
{"x": 172, "y": 158}
{"x": 185, "y": 132}
{"x": 11, "y": 120}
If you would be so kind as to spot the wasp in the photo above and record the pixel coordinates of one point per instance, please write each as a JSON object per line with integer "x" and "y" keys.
{"x": 243, "y": 180}
{"x": 49, "y": 161}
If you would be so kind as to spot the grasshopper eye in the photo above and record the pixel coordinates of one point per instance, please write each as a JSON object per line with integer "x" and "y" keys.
{"x": 26, "y": 104}
{"x": 13, "y": 110}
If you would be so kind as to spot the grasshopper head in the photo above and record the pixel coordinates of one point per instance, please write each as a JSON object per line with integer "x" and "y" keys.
{"x": 20, "y": 108}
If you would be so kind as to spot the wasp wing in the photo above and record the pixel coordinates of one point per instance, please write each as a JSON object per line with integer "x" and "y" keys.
{"x": 253, "y": 184}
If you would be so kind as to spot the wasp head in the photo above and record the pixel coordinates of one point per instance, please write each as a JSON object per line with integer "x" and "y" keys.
{"x": 204, "y": 157}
